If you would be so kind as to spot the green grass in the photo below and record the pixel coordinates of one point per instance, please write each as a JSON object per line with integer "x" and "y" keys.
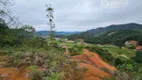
{"x": 55, "y": 76}
{"x": 32, "y": 68}
{"x": 68, "y": 44}
{"x": 116, "y": 50}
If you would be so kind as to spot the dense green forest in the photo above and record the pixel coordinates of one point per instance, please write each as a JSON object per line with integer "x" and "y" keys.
{"x": 113, "y": 37}
{"x": 11, "y": 37}
{"x": 113, "y": 34}
{"x": 130, "y": 26}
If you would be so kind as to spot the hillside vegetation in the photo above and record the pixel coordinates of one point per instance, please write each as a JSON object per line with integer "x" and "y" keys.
{"x": 114, "y": 46}
{"x": 102, "y": 30}
{"x": 114, "y": 37}
{"x": 111, "y": 53}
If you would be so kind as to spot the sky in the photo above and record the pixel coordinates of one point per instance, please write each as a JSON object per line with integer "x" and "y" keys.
{"x": 78, "y": 15}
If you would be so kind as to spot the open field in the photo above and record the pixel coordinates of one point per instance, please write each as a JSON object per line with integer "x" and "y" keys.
{"x": 116, "y": 50}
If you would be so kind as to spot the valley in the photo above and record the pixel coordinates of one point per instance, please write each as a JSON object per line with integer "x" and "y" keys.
{"x": 70, "y": 40}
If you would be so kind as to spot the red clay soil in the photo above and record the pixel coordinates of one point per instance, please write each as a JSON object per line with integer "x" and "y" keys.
{"x": 139, "y": 48}
{"x": 135, "y": 43}
{"x": 93, "y": 59}
{"x": 93, "y": 64}
{"x": 92, "y": 72}
{"x": 13, "y": 74}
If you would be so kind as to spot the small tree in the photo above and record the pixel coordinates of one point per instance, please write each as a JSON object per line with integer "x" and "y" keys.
{"x": 138, "y": 57}
{"x": 50, "y": 17}
{"x": 27, "y": 30}
{"x": 5, "y": 14}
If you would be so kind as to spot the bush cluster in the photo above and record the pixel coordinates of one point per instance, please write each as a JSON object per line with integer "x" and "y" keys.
{"x": 104, "y": 54}
{"x": 76, "y": 50}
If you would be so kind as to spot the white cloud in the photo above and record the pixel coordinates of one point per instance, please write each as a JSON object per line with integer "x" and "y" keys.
{"x": 76, "y": 15}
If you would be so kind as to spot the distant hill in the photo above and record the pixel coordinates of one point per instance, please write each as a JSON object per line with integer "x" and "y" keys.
{"x": 45, "y": 33}
{"x": 113, "y": 37}
{"x": 113, "y": 34}
{"x": 130, "y": 26}
{"x": 117, "y": 37}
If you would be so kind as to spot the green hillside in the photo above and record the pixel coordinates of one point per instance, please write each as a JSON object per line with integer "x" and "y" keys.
{"x": 110, "y": 53}
{"x": 113, "y": 37}
{"x": 102, "y": 30}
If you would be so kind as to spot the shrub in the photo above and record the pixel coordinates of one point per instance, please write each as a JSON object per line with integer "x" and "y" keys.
{"x": 126, "y": 67}
{"x": 50, "y": 61}
{"x": 138, "y": 57}
{"x": 76, "y": 50}
{"x": 73, "y": 72}
{"x": 130, "y": 46}
{"x": 111, "y": 78}
{"x": 34, "y": 42}
{"x": 5, "y": 51}
{"x": 55, "y": 76}
{"x": 37, "y": 75}
{"x": 32, "y": 68}
{"x": 104, "y": 54}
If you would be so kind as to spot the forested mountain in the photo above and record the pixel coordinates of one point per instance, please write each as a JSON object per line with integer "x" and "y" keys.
{"x": 130, "y": 26}
{"x": 117, "y": 37}
{"x": 114, "y": 34}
